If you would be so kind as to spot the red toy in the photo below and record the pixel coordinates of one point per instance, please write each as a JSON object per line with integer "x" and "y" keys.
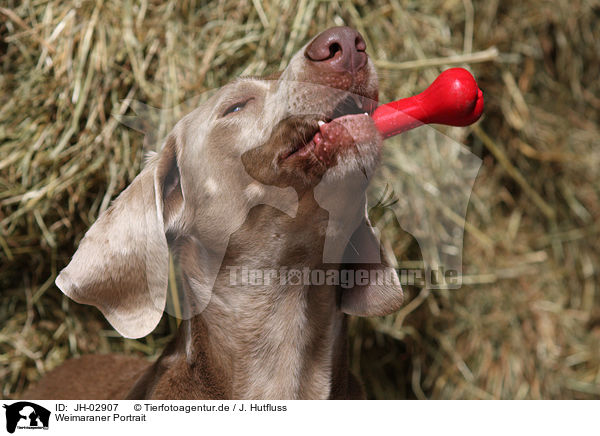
{"x": 452, "y": 99}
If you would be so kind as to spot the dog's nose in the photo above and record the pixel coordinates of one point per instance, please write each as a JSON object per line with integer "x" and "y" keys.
{"x": 339, "y": 49}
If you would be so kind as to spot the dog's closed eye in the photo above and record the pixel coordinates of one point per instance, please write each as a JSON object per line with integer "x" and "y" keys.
{"x": 236, "y": 107}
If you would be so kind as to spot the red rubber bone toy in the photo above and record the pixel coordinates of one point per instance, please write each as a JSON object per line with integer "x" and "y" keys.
{"x": 452, "y": 99}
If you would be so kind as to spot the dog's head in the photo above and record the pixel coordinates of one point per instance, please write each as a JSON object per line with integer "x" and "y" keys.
{"x": 306, "y": 133}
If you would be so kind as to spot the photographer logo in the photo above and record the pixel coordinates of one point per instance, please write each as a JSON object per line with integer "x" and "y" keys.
{"x": 25, "y": 415}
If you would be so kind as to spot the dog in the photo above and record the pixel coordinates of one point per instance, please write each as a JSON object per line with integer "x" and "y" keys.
{"x": 266, "y": 175}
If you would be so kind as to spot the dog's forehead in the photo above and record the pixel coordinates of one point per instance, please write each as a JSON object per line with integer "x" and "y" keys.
{"x": 234, "y": 92}
{"x": 243, "y": 86}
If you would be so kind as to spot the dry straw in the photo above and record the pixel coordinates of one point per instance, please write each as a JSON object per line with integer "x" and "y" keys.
{"x": 527, "y": 322}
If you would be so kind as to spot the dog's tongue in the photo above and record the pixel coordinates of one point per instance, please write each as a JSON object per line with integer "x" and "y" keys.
{"x": 453, "y": 99}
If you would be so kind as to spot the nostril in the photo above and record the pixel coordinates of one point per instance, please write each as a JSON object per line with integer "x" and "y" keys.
{"x": 360, "y": 44}
{"x": 333, "y": 49}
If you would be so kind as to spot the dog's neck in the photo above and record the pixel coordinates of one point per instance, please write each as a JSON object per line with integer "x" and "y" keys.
{"x": 272, "y": 337}
{"x": 276, "y": 343}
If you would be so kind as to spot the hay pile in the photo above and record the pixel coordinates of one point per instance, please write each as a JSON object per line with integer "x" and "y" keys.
{"x": 527, "y": 322}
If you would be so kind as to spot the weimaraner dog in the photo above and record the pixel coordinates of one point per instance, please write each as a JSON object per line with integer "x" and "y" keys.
{"x": 268, "y": 176}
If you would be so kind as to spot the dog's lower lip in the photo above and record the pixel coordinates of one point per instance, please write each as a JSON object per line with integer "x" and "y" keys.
{"x": 364, "y": 106}
{"x": 308, "y": 147}
{"x": 304, "y": 145}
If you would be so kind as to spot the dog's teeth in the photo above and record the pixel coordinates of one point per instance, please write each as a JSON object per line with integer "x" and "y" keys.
{"x": 320, "y": 123}
{"x": 366, "y": 114}
{"x": 358, "y": 101}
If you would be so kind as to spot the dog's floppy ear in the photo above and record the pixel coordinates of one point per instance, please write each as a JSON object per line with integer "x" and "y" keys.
{"x": 377, "y": 290}
{"x": 121, "y": 265}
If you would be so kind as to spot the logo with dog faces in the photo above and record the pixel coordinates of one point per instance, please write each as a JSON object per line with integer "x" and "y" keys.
{"x": 25, "y": 415}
